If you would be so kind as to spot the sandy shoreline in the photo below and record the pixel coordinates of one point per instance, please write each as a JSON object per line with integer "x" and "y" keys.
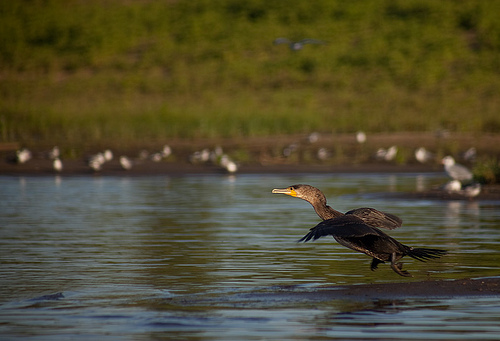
{"x": 422, "y": 289}
{"x": 263, "y": 155}
{"x": 290, "y": 295}
{"x": 143, "y": 168}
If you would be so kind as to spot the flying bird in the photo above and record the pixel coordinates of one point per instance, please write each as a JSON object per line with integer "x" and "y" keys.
{"x": 358, "y": 230}
{"x": 296, "y": 45}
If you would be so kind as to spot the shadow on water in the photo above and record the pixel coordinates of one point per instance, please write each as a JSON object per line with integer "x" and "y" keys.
{"x": 215, "y": 257}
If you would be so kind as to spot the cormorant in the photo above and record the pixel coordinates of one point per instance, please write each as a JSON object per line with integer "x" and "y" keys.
{"x": 358, "y": 230}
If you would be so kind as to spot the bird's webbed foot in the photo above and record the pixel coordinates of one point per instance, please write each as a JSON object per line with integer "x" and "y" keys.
{"x": 375, "y": 263}
{"x": 398, "y": 267}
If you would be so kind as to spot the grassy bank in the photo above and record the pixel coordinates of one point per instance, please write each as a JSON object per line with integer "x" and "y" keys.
{"x": 80, "y": 73}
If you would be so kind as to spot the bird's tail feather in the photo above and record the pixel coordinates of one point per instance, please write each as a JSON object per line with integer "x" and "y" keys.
{"x": 308, "y": 237}
{"x": 424, "y": 254}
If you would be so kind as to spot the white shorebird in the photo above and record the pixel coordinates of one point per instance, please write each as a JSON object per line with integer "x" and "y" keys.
{"x": 54, "y": 153}
{"x": 470, "y": 154}
{"x": 455, "y": 170}
{"x": 296, "y": 45}
{"x": 456, "y": 187}
{"x": 23, "y": 155}
{"x": 57, "y": 164}
{"x": 323, "y": 154}
{"x": 166, "y": 151}
{"x": 96, "y": 161}
{"x": 472, "y": 191}
{"x": 360, "y": 137}
{"x": 163, "y": 154}
{"x": 423, "y": 155}
{"x": 143, "y": 154}
{"x": 313, "y": 137}
{"x": 387, "y": 154}
{"x": 200, "y": 156}
{"x": 453, "y": 186}
{"x": 228, "y": 164}
{"x": 156, "y": 157}
{"x": 125, "y": 162}
{"x": 231, "y": 167}
{"x": 108, "y": 155}
{"x": 287, "y": 151}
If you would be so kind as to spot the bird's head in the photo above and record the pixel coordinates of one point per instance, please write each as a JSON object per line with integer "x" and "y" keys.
{"x": 305, "y": 192}
{"x": 448, "y": 161}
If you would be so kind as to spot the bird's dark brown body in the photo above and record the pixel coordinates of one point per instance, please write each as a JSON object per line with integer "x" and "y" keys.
{"x": 358, "y": 230}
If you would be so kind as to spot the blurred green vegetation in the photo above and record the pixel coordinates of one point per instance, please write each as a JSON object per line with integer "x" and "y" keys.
{"x": 77, "y": 72}
{"x": 487, "y": 170}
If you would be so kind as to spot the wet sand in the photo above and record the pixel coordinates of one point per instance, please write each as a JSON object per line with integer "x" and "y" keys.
{"x": 147, "y": 167}
{"x": 422, "y": 289}
{"x": 292, "y": 295}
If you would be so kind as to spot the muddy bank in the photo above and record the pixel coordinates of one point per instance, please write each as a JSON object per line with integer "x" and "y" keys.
{"x": 342, "y": 154}
{"x": 291, "y": 295}
{"x": 147, "y": 167}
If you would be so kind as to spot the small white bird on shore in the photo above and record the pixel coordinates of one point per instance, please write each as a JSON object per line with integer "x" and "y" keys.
{"x": 455, "y": 170}
{"x": 360, "y": 137}
{"x": 166, "y": 151}
{"x": 228, "y": 164}
{"x": 313, "y": 137}
{"x": 472, "y": 191}
{"x": 387, "y": 154}
{"x": 57, "y": 164}
{"x": 323, "y": 154}
{"x": 422, "y": 155}
{"x": 156, "y": 157}
{"x": 453, "y": 186}
{"x": 108, "y": 155}
{"x": 96, "y": 161}
{"x": 54, "y": 153}
{"x": 23, "y": 155}
{"x": 125, "y": 162}
{"x": 470, "y": 154}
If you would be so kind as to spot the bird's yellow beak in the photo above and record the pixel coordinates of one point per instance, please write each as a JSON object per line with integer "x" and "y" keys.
{"x": 287, "y": 191}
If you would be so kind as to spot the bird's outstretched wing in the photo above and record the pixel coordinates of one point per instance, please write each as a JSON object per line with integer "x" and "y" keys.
{"x": 376, "y": 218}
{"x": 311, "y": 41}
{"x": 281, "y": 41}
{"x": 347, "y": 226}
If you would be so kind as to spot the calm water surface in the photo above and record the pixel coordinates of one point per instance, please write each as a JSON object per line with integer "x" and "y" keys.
{"x": 179, "y": 257}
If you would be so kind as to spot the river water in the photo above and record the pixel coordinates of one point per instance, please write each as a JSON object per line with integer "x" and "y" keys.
{"x": 181, "y": 258}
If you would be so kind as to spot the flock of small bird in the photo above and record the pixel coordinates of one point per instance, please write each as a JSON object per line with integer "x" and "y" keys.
{"x": 462, "y": 180}
{"x": 461, "y": 183}
{"x": 216, "y": 157}
{"x": 96, "y": 161}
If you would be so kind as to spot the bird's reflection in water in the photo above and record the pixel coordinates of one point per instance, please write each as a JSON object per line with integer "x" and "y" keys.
{"x": 393, "y": 183}
{"x": 420, "y": 184}
{"x": 57, "y": 180}
{"x": 455, "y": 209}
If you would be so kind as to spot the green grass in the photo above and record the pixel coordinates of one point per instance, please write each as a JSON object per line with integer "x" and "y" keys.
{"x": 79, "y": 73}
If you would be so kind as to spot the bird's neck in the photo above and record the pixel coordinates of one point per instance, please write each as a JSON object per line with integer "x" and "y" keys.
{"x": 326, "y": 212}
